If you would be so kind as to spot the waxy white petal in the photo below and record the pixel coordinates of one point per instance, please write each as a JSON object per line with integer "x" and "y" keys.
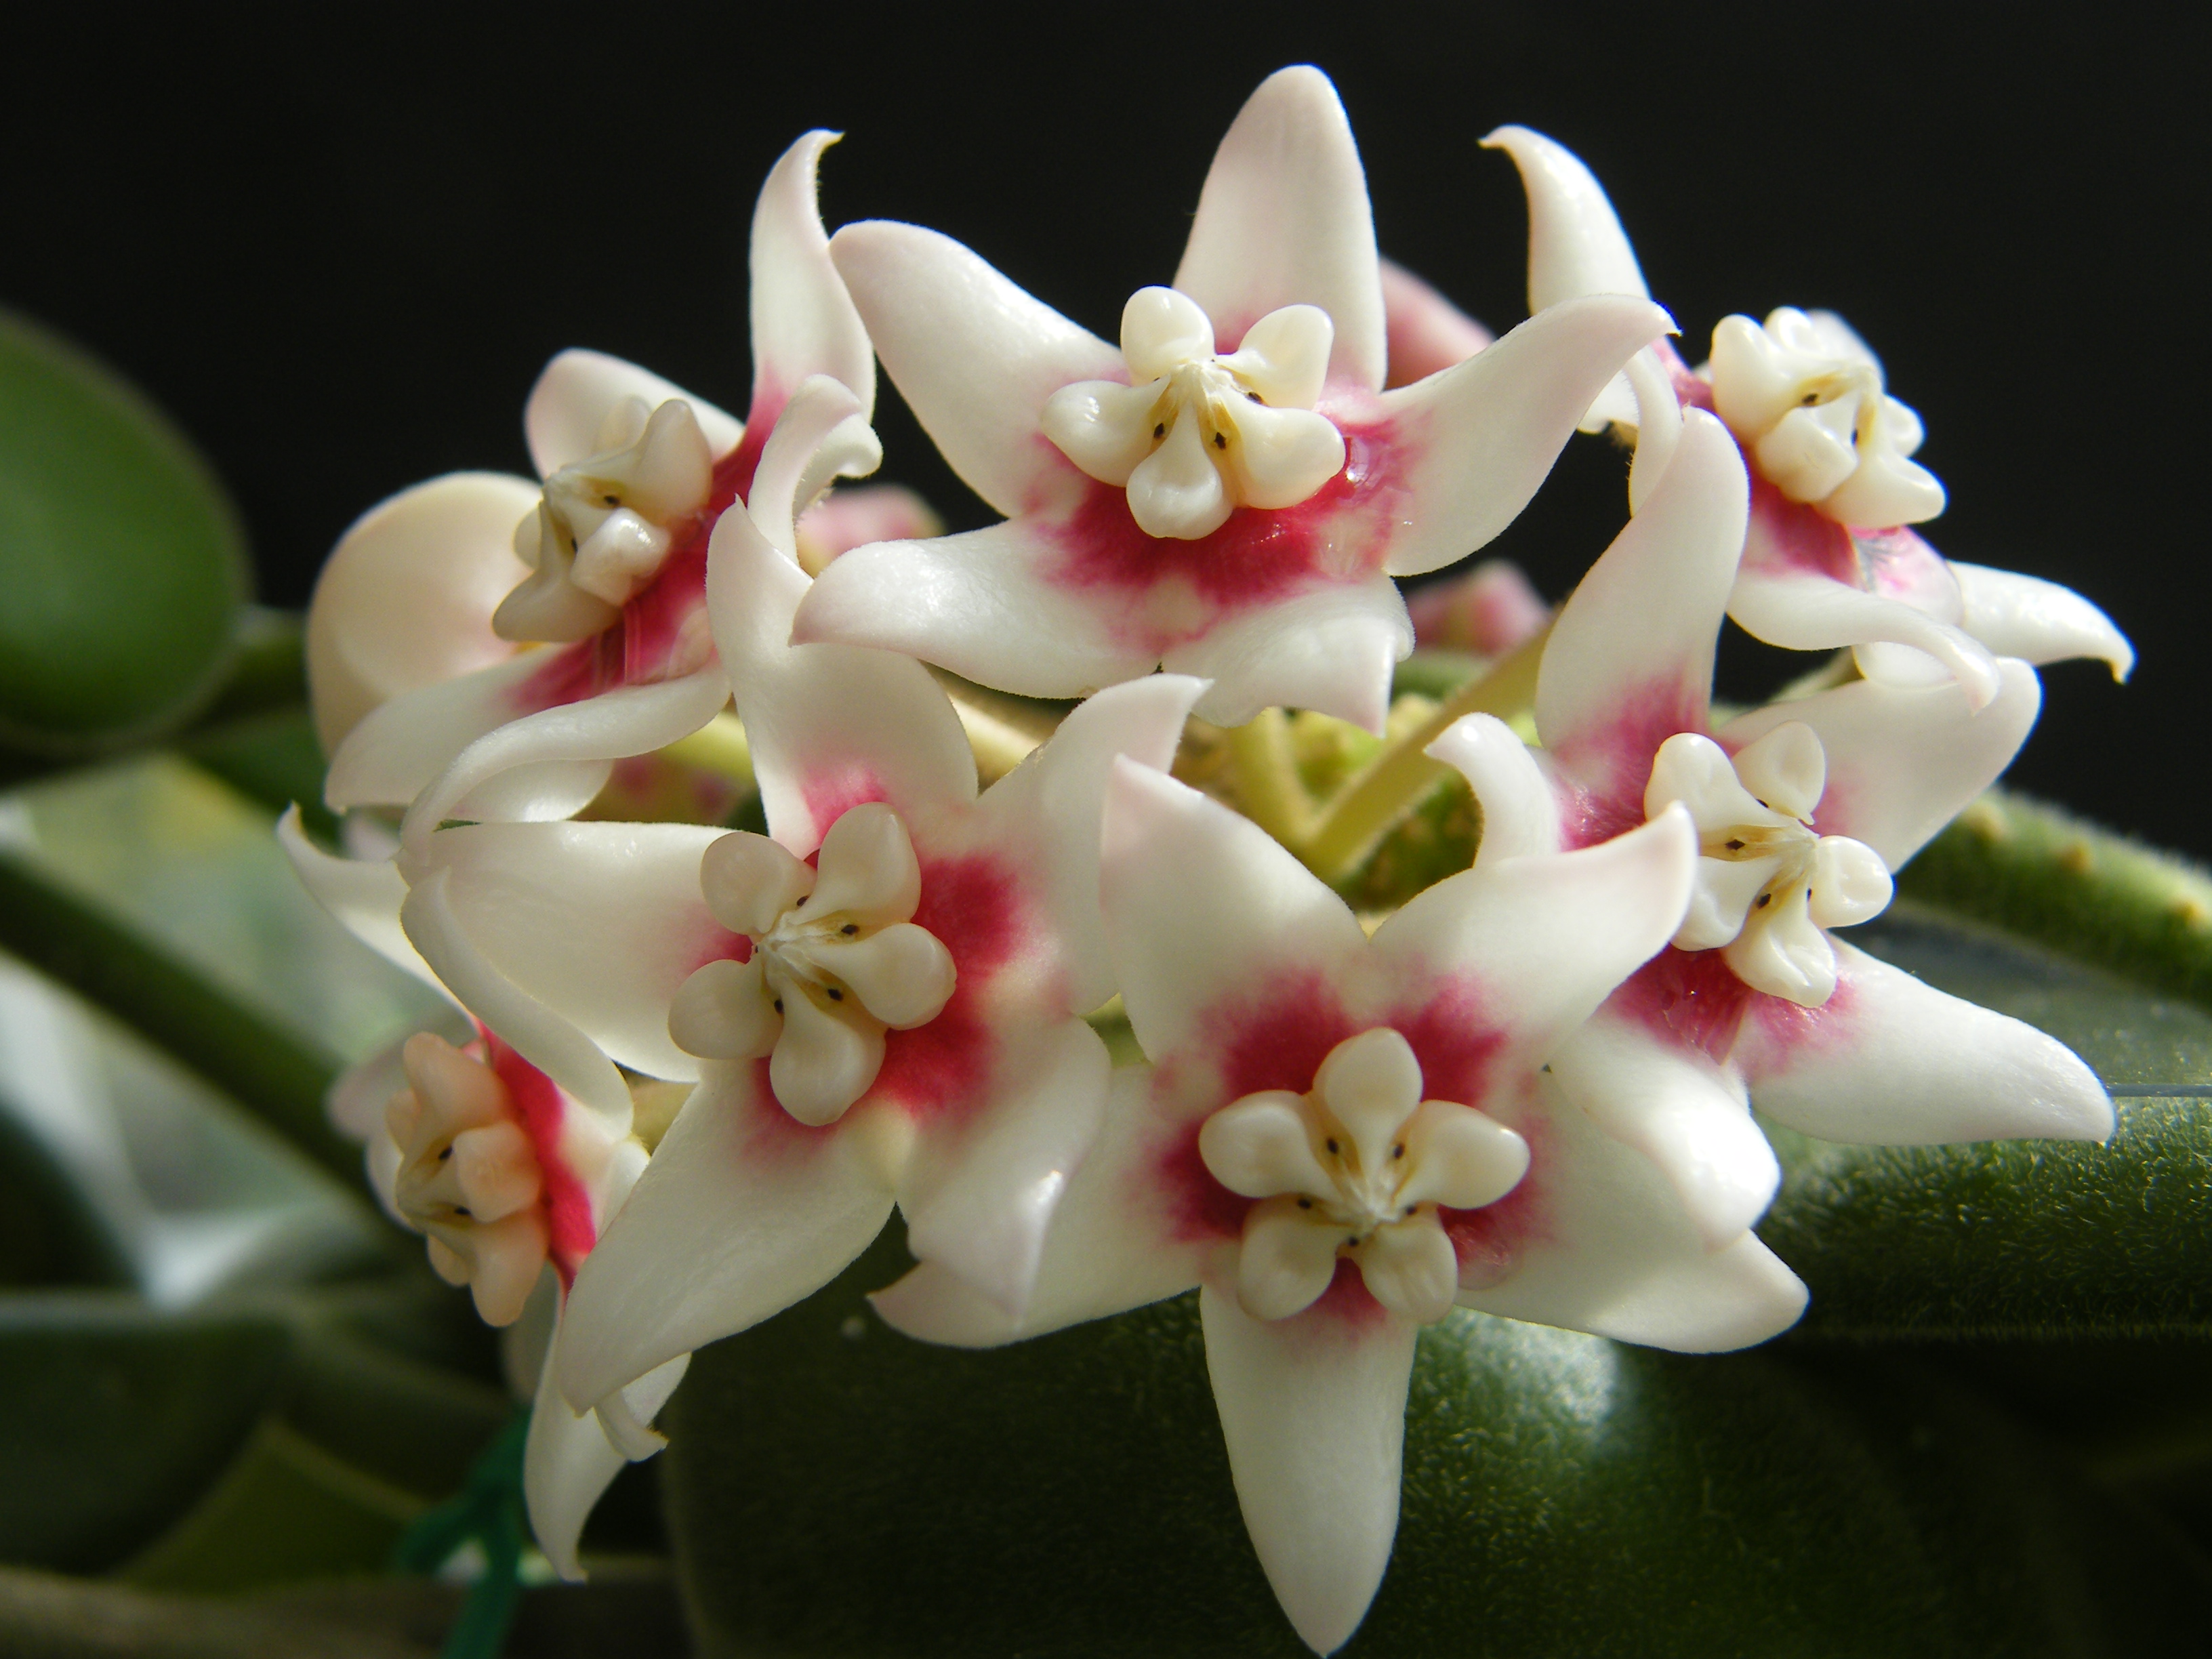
{"x": 569, "y": 405}
{"x": 600, "y": 922}
{"x": 1554, "y": 934}
{"x": 1114, "y": 1243}
{"x": 535, "y": 1032}
{"x": 1905, "y": 760}
{"x": 824, "y": 720}
{"x": 1330, "y": 649}
{"x": 1575, "y": 244}
{"x": 1052, "y": 805}
{"x": 555, "y": 744}
{"x": 398, "y": 750}
{"x": 2017, "y": 616}
{"x": 821, "y": 434}
{"x": 803, "y": 321}
{"x": 405, "y": 598}
{"x": 1806, "y": 611}
{"x": 974, "y": 355}
{"x": 979, "y": 1204}
{"x": 566, "y": 1463}
{"x": 1893, "y": 1061}
{"x": 362, "y": 895}
{"x": 1314, "y": 1412}
{"x": 1484, "y": 434}
{"x": 739, "y": 1214}
{"x": 1658, "y": 422}
{"x": 1520, "y": 812}
{"x": 1284, "y": 220}
{"x": 1203, "y": 905}
{"x": 977, "y": 603}
{"x": 1635, "y": 641}
{"x": 1618, "y": 1254}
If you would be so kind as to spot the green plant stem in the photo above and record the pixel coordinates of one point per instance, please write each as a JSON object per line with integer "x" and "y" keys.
{"x": 1349, "y": 826}
{"x": 279, "y": 1076}
{"x": 2099, "y": 896}
{"x": 1266, "y": 773}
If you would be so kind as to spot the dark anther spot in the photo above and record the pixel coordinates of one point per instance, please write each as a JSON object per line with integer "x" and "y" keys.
{"x": 1160, "y": 430}
{"x": 612, "y": 501}
{"x": 1353, "y": 1239}
{"x": 1306, "y": 1204}
{"x": 1764, "y": 899}
{"x": 1331, "y": 1147}
{"x": 1221, "y": 441}
{"x": 800, "y": 903}
{"x": 779, "y": 1005}
{"x": 1398, "y": 1151}
{"x": 1735, "y": 846}
{"x": 1810, "y": 398}
{"x": 849, "y": 929}
{"x": 462, "y": 1211}
{"x": 1763, "y": 803}
{"x": 446, "y": 1154}
{"x": 835, "y": 995}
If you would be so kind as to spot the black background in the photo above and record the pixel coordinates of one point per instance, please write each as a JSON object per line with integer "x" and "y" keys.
{"x": 339, "y": 251}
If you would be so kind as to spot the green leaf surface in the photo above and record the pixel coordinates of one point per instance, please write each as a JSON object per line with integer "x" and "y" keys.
{"x": 50, "y": 1235}
{"x": 835, "y": 1489}
{"x": 2019, "y": 1238}
{"x": 258, "y": 1438}
{"x": 120, "y": 558}
{"x": 285, "y": 1510}
{"x": 623, "y": 1611}
{"x": 112, "y": 1423}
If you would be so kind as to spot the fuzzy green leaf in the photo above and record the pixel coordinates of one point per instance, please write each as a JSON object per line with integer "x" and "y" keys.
{"x": 2019, "y": 1238}
{"x": 836, "y": 1489}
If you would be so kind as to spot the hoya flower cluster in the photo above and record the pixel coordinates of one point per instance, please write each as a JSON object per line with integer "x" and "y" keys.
{"x": 711, "y": 1063}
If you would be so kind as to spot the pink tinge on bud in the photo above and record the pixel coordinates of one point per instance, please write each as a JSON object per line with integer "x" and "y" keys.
{"x": 1488, "y": 610}
{"x": 1425, "y": 333}
{"x": 859, "y": 514}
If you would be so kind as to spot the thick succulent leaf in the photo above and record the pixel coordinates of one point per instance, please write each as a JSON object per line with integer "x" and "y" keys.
{"x": 122, "y": 560}
{"x": 285, "y": 1510}
{"x": 2023, "y": 1237}
{"x": 634, "y": 1612}
{"x": 51, "y": 1232}
{"x": 835, "y": 1489}
{"x": 116, "y": 1420}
